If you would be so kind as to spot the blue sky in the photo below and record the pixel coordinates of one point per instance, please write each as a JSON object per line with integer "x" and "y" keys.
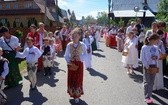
{"x": 84, "y": 7}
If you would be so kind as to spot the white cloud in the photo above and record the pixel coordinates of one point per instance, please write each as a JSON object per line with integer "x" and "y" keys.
{"x": 63, "y": 3}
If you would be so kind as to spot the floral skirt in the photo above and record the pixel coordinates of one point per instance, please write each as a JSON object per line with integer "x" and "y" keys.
{"x": 75, "y": 81}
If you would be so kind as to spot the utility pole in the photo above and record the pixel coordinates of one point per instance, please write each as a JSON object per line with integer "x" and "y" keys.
{"x": 145, "y": 7}
{"x": 109, "y": 7}
{"x": 45, "y": 13}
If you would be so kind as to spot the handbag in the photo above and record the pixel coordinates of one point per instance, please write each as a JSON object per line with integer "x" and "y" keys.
{"x": 162, "y": 56}
{"x": 152, "y": 70}
{"x": 124, "y": 53}
{"x": 72, "y": 67}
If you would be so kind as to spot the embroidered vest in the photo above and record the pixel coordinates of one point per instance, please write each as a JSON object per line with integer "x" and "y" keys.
{"x": 2, "y": 61}
{"x": 46, "y": 50}
{"x": 75, "y": 52}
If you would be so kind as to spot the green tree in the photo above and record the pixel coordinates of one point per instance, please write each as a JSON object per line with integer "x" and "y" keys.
{"x": 90, "y": 20}
{"x": 1, "y": 24}
{"x": 163, "y": 11}
{"x": 102, "y": 18}
{"x": 121, "y": 22}
{"x": 14, "y": 24}
{"x": 35, "y": 22}
{"x": 29, "y": 23}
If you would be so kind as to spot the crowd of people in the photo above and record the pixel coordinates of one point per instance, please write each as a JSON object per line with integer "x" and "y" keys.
{"x": 148, "y": 47}
{"x": 78, "y": 44}
{"x": 40, "y": 50}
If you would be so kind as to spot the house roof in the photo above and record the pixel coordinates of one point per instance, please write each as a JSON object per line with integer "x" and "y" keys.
{"x": 130, "y": 4}
{"x": 132, "y": 13}
{"x": 42, "y": 7}
{"x": 51, "y": 15}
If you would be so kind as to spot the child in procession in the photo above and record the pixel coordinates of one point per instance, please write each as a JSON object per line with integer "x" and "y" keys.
{"x": 149, "y": 57}
{"x": 53, "y": 47}
{"x": 47, "y": 56}
{"x": 4, "y": 70}
{"x": 74, "y": 56}
{"x": 31, "y": 53}
{"x": 130, "y": 52}
{"x": 58, "y": 42}
{"x": 88, "y": 41}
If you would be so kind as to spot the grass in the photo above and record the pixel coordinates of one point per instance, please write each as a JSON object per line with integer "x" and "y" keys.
{"x": 22, "y": 66}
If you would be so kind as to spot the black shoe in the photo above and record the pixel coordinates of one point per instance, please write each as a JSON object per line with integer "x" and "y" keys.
{"x": 35, "y": 88}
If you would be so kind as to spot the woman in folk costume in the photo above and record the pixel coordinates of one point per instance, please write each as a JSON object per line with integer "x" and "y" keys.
{"x": 43, "y": 33}
{"x": 92, "y": 32}
{"x": 74, "y": 55}
{"x": 88, "y": 41}
{"x": 162, "y": 26}
{"x": 130, "y": 52}
{"x": 36, "y": 39}
{"x": 10, "y": 44}
{"x": 64, "y": 36}
{"x": 158, "y": 83}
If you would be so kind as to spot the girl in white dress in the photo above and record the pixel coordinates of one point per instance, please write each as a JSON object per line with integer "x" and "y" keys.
{"x": 88, "y": 41}
{"x": 130, "y": 47}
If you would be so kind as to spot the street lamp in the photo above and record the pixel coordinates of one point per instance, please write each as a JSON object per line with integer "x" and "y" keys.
{"x": 136, "y": 9}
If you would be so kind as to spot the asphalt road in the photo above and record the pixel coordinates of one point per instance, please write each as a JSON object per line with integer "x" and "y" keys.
{"x": 106, "y": 84}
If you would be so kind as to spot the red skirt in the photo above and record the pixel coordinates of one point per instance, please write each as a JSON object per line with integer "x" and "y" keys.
{"x": 112, "y": 41}
{"x": 75, "y": 81}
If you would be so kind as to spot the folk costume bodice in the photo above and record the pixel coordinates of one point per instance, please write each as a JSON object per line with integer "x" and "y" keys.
{"x": 75, "y": 51}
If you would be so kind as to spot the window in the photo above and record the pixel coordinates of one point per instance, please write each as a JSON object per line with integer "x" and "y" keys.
{"x": 0, "y": 6}
{"x": 17, "y": 20}
{"x": 16, "y": 6}
{"x": 3, "y": 21}
{"x": 28, "y": 5}
{"x": 8, "y": 6}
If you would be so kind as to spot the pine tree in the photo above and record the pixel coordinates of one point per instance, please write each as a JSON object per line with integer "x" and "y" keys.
{"x": 14, "y": 24}
{"x": 29, "y": 23}
{"x": 21, "y": 24}
{"x": 8, "y": 24}
{"x": 1, "y": 24}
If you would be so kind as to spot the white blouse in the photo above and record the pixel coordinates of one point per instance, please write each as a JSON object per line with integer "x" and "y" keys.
{"x": 31, "y": 54}
{"x": 149, "y": 55}
{"x": 13, "y": 42}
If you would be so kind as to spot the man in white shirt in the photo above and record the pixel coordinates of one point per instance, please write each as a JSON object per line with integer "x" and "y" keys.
{"x": 31, "y": 53}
